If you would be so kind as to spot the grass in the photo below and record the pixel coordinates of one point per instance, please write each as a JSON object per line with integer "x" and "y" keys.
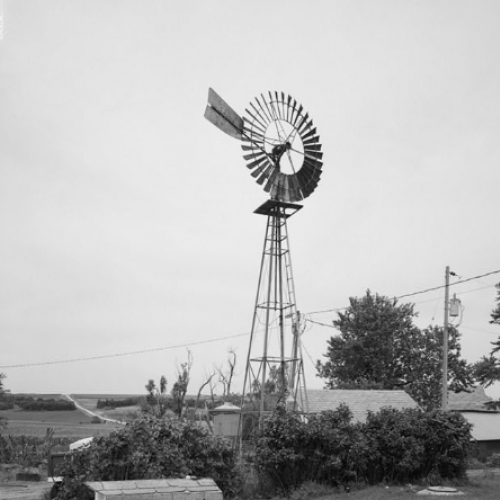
{"x": 73, "y": 424}
{"x": 73, "y": 416}
{"x": 89, "y": 401}
{"x": 484, "y": 487}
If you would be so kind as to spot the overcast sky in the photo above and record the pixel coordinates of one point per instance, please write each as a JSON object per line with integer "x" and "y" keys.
{"x": 126, "y": 218}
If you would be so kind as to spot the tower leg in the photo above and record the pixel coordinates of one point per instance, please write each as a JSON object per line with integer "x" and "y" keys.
{"x": 271, "y": 377}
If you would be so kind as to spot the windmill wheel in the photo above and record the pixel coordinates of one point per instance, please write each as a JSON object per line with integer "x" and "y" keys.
{"x": 281, "y": 147}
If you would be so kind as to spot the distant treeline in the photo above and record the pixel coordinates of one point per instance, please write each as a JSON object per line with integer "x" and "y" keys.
{"x": 117, "y": 403}
{"x": 29, "y": 403}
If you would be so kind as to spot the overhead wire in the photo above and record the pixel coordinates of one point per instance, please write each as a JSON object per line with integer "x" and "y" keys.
{"x": 426, "y": 290}
{"x": 122, "y": 354}
{"x": 206, "y": 341}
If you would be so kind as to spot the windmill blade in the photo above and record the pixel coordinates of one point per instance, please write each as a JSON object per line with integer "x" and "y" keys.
{"x": 253, "y": 147}
{"x": 300, "y": 123}
{"x": 285, "y": 186}
{"x": 253, "y": 135}
{"x": 273, "y": 103}
{"x": 256, "y": 163}
{"x": 307, "y": 189}
{"x": 312, "y": 163}
{"x": 271, "y": 180}
{"x": 302, "y": 184}
{"x": 282, "y": 192}
{"x": 279, "y": 105}
{"x": 264, "y": 108}
{"x": 220, "y": 114}
{"x": 255, "y": 155}
{"x": 292, "y": 111}
{"x": 262, "y": 115}
{"x": 309, "y": 134}
{"x": 312, "y": 147}
{"x": 308, "y": 174}
{"x": 258, "y": 172}
{"x": 288, "y": 108}
{"x": 314, "y": 155}
{"x": 261, "y": 126}
{"x": 312, "y": 140}
{"x": 299, "y": 114}
{"x": 265, "y": 175}
{"x": 299, "y": 195}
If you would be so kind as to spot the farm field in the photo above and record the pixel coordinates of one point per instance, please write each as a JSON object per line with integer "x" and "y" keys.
{"x": 89, "y": 401}
{"x": 73, "y": 424}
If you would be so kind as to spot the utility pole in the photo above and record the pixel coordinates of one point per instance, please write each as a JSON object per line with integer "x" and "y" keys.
{"x": 444, "y": 383}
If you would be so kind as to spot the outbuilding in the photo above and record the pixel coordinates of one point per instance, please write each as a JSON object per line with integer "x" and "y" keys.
{"x": 226, "y": 419}
{"x": 473, "y": 405}
{"x": 360, "y": 402}
{"x": 157, "y": 489}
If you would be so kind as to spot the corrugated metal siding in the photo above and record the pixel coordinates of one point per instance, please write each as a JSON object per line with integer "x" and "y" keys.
{"x": 486, "y": 425}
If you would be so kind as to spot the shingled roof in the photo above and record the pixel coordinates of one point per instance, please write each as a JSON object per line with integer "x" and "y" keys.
{"x": 360, "y": 402}
{"x": 468, "y": 401}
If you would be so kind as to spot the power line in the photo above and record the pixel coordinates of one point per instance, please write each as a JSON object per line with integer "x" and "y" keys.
{"x": 451, "y": 284}
{"x": 319, "y": 323}
{"x": 427, "y": 290}
{"x": 167, "y": 348}
{"x": 122, "y": 354}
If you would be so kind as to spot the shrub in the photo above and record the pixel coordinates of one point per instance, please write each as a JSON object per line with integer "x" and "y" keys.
{"x": 117, "y": 403}
{"x": 151, "y": 447}
{"x": 392, "y": 446}
{"x": 327, "y": 449}
{"x": 30, "y": 450}
{"x": 493, "y": 460}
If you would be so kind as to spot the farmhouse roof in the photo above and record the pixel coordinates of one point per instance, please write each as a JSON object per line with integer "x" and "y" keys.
{"x": 174, "y": 489}
{"x": 468, "y": 401}
{"x": 360, "y": 402}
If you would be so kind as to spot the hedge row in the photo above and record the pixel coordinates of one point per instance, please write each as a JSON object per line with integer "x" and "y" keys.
{"x": 393, "y": 446}
{"x": 28, "y": 403}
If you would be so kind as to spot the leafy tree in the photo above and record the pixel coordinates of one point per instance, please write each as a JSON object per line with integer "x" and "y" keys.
{"x": 379, "y": 347}
{"x": 3, "y": 406}
{"x": 424, "y": 366}
{"x": 156, "y": 399}
{"x": 495, "y": 320}
{"x": 179, "y": 389}
{"x": 495, "y": 314}
{"x": 374, "y": 332}
{"x": 487, "y": 369}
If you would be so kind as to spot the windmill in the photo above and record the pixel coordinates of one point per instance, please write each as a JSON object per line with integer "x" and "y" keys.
{"x": 282, "y": 151}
